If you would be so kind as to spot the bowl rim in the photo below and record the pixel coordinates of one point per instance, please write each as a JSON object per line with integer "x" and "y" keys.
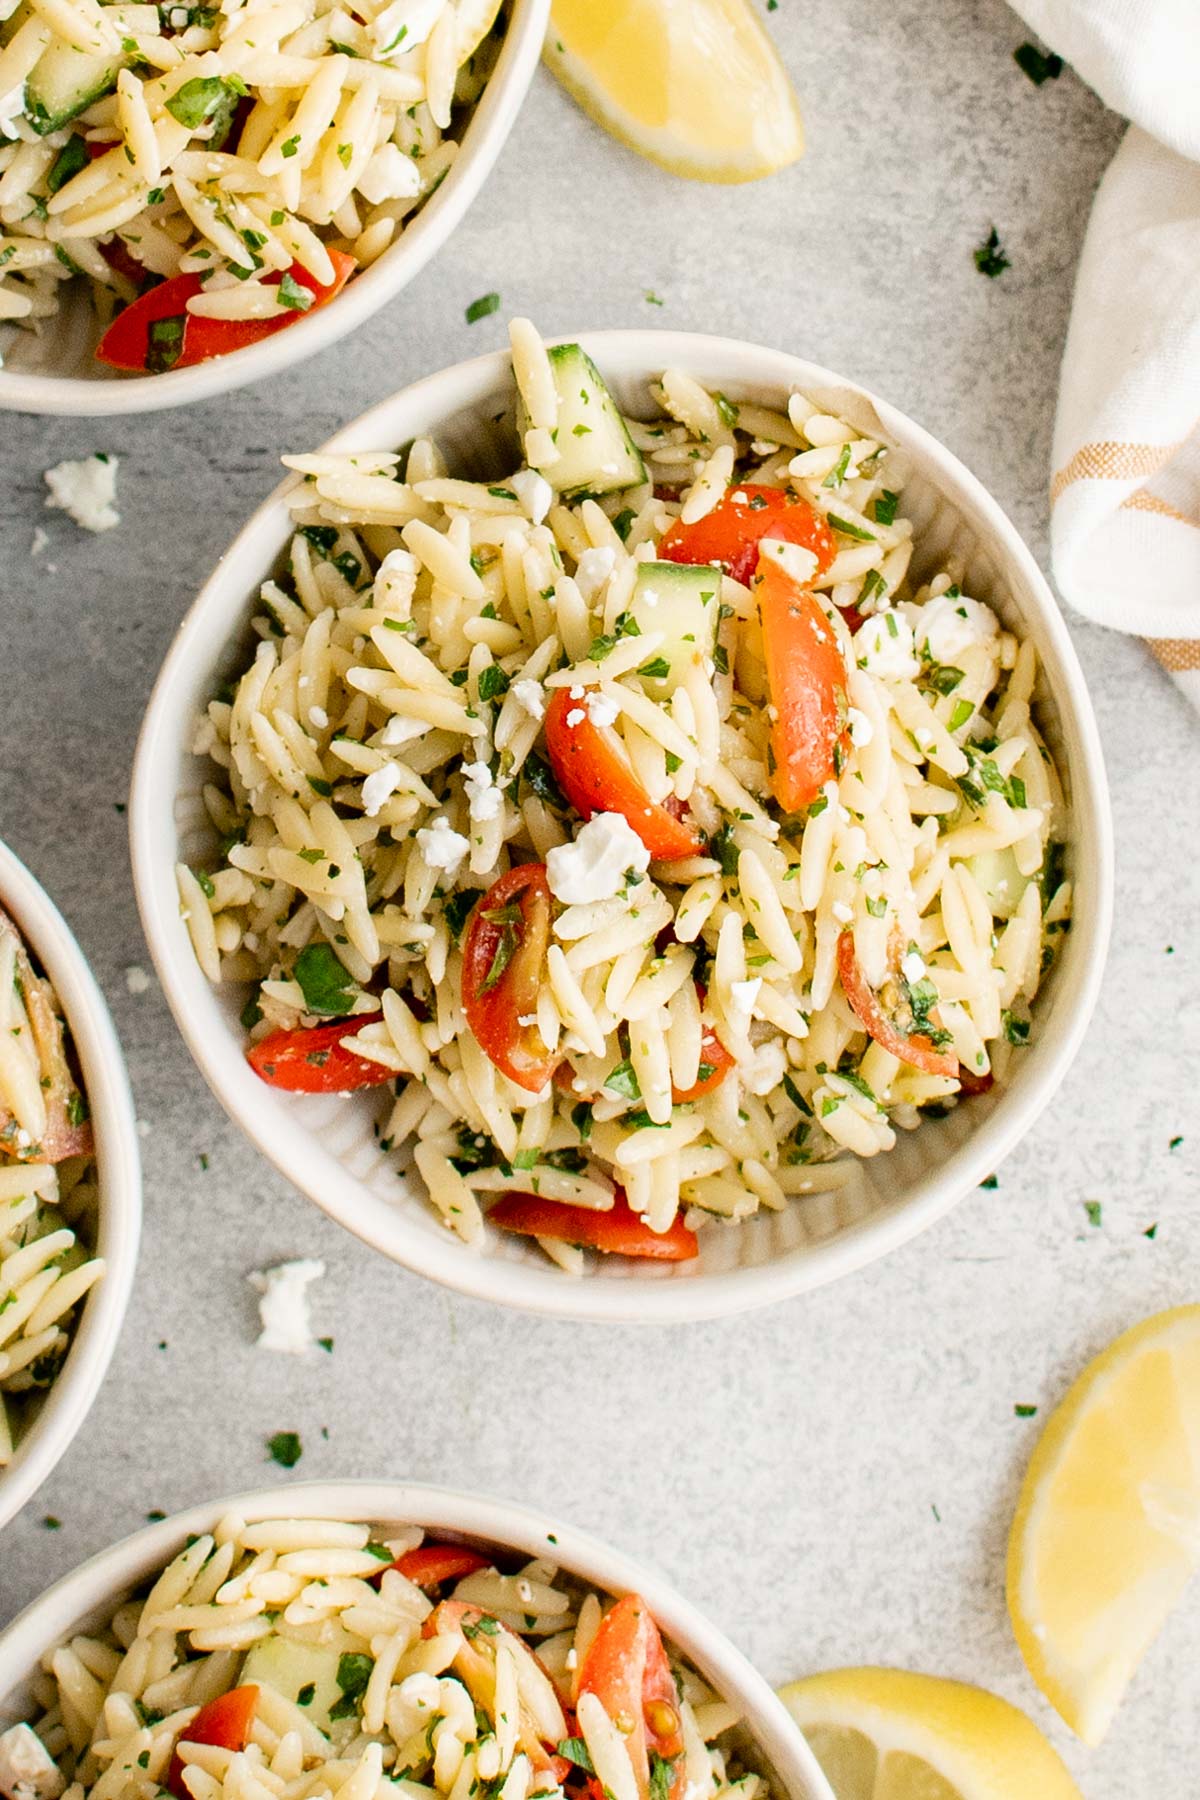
{"x": 487, "y": 132}
{"x": 318, "y": 1174}
{"x": 106, "y": 1085}
{"x": 505, "y": 1523}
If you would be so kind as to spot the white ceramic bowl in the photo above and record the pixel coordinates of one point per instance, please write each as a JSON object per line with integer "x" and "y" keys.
{"x": 119, "y": 1224}
{"x": 56, "y": 372}
{"x": 325, "y": 1145}
{"x": 87, "y": 1597}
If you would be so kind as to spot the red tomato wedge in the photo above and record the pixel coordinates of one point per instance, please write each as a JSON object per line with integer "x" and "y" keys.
{"x": 806, "y": 677}
{"x": 595, "y": 775}
{"x": 429, "y": 1565}
{"x": 716, "y": 1059}
{"x": 627, "y": 1670}
{"x": 224, "y": 1722}
{"x": 313, "y": 1061}
{"x": 918, "y": 1051}
{"x": 504, "y": 965}
{"x": 131, "y": 342}
{"x": 620, "y": 1232}
{"x": 730, "y": 533}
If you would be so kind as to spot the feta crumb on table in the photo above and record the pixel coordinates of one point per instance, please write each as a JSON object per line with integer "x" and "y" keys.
{"x": 283, "y": 1307}
{"x": 86, "y": 490}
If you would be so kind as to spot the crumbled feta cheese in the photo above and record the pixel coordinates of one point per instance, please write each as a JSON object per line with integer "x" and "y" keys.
{"x": 378, "y": 787}
{"x": 530, "y": 696}
{"x": 27, "y": 1769}
{"x": 318, "y": 717}
{"x": 283, "y": 1307}
{"x": 743, "y": 996}
{"x": 594, "y": 866}
{"x": 768, "y": 1068}
{"x": 576, "y": 716}
{"x": 404, "y": 25}
{"x": 136, "y": 979}
{"x": 594, "y": 569}
{"x": 861, "y": 728}
{"x": 484, "y": 800}
{"x": 442, "y": 847}
{"x": 951, "y": 623}
{"x": 534, "y": 492}
{"x": 912, "y": 965}
{"x": 12, "y": 108}
{"x": 600, "y": 709}
{"x": 883, "y": 645}
{"x": 841, "y": 912}
{"x": 400, "y": 729}
{"x": 389, "y": 175}
{"x": 86, "y": 490}
{"x": 793, "y": 559}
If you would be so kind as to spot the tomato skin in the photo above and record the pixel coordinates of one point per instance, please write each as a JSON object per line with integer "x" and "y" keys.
{"x": 620, "y": 1232}
{"x": 596, "y": 777}
{"x": 917, "y": 1051}
{"x": 312, "y": 1060}
{"x": 626, "y": 1668}
{"x": 806, "y": 677}
{"x": 224, "y": 1722}
{"x": 714, "y": 1053}
{"x": 429, "y": 1565}
{"x": 973, "y": 1084}
{"x": 494, "y": 1012}
{"x": 126, "y": 343}
{"x": 730, "y": 533}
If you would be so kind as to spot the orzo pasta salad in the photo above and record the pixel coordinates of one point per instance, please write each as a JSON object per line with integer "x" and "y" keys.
{"x": 303, "y": 1657}
{"x": 632, "y": 813}
{"x": 47, "y": 1190}
{"x": 214, "y": 172}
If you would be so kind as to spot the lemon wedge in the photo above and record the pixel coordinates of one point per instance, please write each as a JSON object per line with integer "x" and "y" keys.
{"x": 883, "y": 1734}
{"x": 695, "y": 85}
{"x": 1107, "y": 1529}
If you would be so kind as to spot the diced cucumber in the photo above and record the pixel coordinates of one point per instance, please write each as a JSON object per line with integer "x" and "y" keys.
{"x": 596, "y": 454}
{"x": 64, "y": 81}
{"x": 291, "y": 1669}
{"x": 1001, "y": 881}
{"x": 682, "y": 601}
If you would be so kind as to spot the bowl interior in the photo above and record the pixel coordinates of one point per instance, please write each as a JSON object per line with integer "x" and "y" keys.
{"x": 86, "y": 1599}
{"x": 327, "y": 1145}
{"x": 117, "y": 1227}
{"x": 55, "y": 372}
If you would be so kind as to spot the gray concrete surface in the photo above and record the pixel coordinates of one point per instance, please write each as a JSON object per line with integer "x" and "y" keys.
{"x": 832, "y": 1479}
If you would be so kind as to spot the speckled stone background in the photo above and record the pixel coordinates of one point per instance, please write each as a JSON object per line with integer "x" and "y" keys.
{"x": 833, "y": 1479}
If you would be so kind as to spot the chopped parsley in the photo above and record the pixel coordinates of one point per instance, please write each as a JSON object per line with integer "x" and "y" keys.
{"x": 623, "y": 1080}
{"x": 458, "y": 909}
{"x": 353, "y": 1674}
{"x": 482, "y": 308}
{"x": 493, "y": 682}
{"x": 576, "y": 1751}
{"x": 990, "y": 259}
{"x": 849, "y": 529}
{"x": 325, "y": 983}
{"x": 293, "y": 295}
{"x": 1025, "y": 1412}
{"x": 285, "y": 1448}
{"x": 885, "y": 506}
{"x": 1094, "y": 1211}
{"x": 1039, "y": 66}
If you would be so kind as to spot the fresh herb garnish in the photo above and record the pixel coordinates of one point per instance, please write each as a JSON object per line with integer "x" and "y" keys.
{"x": 1037, "y": 64}
{"x": 326, "y": 984}
{"x": 285, "y": 1448}
{"x": 990, "y": 259}
{"x": 293, "y": 295}
{"x": 482, "y": 308}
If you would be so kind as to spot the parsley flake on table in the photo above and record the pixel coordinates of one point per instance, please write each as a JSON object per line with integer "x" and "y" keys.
{"x": 285, "y": 1448}
{"x": 990, "y": 259}
{"x": 1037, "y": 64}
{"x": 1175, "y": 1143}
{"x": 482, "y": 308}
{"x": 1094, "y": 1211}
{"x": 1025, "y": 1412}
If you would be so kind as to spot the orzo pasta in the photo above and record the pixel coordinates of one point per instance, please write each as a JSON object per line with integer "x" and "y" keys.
{"x": 634, "y": 814}
{"x": 217, "y": 170}
{"x": 291, "y": 1658}
{"x": 47, "y": 1190}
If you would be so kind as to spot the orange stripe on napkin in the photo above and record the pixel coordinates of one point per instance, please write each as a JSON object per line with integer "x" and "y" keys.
{"x": 1179, "y": 656}
{"x": 1144, "y": 501}
{"x": 1113, "y": 461}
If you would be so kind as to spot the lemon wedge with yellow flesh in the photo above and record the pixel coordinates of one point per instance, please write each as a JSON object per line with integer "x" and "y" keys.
{"x": 695, "y": 85}
{"x": 884, "y": 1734}
{"x": 1107, "y": 1529}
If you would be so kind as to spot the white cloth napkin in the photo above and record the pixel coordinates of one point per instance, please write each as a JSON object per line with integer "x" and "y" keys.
{"x": 1125, "y": 489}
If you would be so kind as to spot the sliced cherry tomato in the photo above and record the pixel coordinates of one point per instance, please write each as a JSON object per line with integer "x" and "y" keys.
{"x": 429, "y": 1565}
{"x": 476, "y": 1664}
{"x": 504, "y": 965}
{"x": 730, "y": 533}
{"x": 619, "y": 1232}
{"x": 972, "y": 1084}
{"x": 627, "y": 1670}
{"x": 129, "y": 342}
{"x": 596, "y": 776}
{"x": 806, "y": 677}
{"x": 224, "y": 1722}
{"x": 916, "y": 1050}
{"x": 716, "y": 1059}
{"x": 313, "y": 1061}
